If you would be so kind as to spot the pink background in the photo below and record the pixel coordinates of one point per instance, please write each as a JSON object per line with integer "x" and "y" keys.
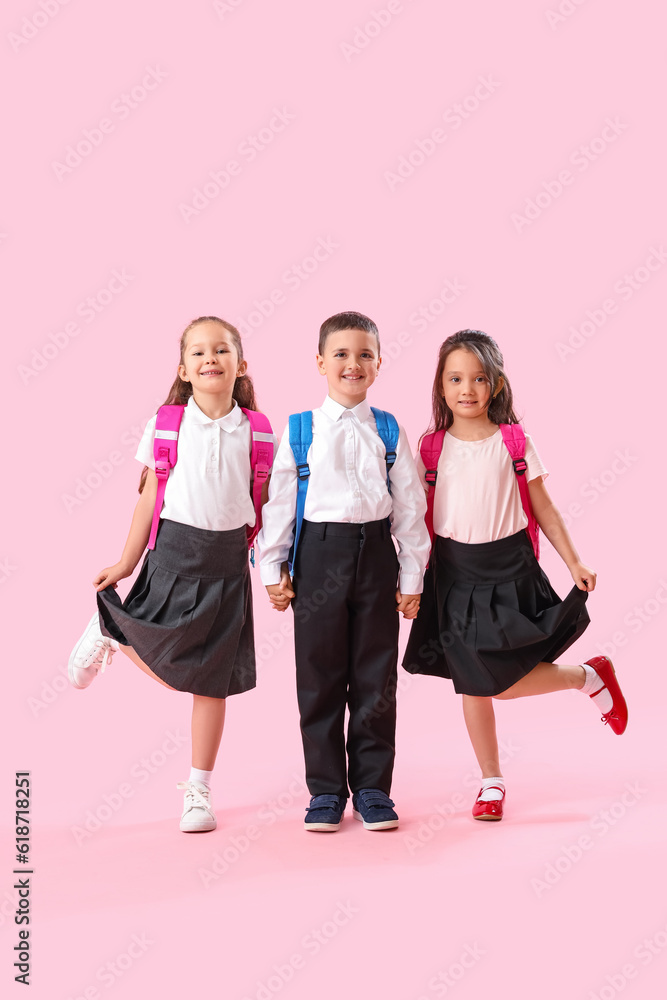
{"x": 394, "y": 913}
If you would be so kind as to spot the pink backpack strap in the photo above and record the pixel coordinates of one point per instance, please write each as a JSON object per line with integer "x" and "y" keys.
{"x": 261, "y": 460}
{"x": 515, "y": 441}
{"x": 165, "y": 453}
{"x": 430, "y": 450}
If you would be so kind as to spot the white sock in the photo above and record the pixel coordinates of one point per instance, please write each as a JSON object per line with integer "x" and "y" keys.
{"x": 201, "y": 777}
{"x": 489, "y": 794}
{"x": 603, "y": 699}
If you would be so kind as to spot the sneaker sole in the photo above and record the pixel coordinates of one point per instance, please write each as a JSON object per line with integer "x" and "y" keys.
{"x": 204, "y": 828}
{"x": 70, "y": 663}
{"x": 387, "y": 824}
{"x": 322, "y": 827}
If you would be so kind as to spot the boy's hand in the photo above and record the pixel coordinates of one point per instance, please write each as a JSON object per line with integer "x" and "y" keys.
{"x": 281, "y": 594}
{"x": 408, "y": 604}
{"x": 584, "y": 577}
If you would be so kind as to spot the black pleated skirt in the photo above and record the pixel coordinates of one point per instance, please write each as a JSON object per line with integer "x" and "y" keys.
{"x": 488, "y": 615}
{"x": 189, "y": 613}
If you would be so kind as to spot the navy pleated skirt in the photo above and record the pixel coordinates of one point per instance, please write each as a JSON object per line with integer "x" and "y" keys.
{"x": 189, "y": 613}
{"x": 488, "y": 615}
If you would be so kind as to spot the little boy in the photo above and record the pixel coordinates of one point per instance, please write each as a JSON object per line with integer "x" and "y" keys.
{"x": 346, "y": 569}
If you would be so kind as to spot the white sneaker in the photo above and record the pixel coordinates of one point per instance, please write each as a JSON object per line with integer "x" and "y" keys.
{"x": 198, "y": 815}
{"x": 91, "y": 654}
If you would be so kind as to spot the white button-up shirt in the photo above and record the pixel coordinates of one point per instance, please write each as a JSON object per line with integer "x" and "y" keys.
{"x": 348, "y": 483}
{"x": 209, "y": 487}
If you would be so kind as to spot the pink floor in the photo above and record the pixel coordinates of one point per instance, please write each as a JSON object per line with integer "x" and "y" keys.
{"x": 563, "y": 898}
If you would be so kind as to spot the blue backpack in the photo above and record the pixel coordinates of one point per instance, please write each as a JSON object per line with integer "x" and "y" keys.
{"x": 301, "y": 438}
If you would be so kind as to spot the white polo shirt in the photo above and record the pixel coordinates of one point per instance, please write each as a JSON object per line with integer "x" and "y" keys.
{"x": 209, "y": 487}
{"x": 348, "y": 483}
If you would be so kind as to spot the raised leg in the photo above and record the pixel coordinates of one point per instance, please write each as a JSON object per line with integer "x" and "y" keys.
{"x": 545, "y": 678}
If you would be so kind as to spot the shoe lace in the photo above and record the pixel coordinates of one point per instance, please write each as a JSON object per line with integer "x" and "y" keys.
{"x": 196, "y": 797}
{"x": 102, "y": 653}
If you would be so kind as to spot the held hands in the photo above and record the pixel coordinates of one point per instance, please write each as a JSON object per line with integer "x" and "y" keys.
{"x": 408, "y": 604}
{"x": 281, "y": 594}
{"x": 110, "y": 576}
{"x": 584, "y": 577}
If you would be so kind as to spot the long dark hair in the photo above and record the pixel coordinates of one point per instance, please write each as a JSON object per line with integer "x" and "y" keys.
{"x": 180, "y": 392}
{"x": 500, "y": 409}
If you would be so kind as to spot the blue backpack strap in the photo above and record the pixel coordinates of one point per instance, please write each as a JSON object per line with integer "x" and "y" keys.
{"x": 300, "y": 439}
{"x": 387, "y": 428}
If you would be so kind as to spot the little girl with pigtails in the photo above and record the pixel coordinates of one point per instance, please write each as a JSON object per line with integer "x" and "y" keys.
{"x": 187, "y": 622}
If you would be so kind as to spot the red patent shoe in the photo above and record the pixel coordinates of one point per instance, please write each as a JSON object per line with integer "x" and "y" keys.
{"x": 617, "y": 717}
{"x": 489, "y": 810}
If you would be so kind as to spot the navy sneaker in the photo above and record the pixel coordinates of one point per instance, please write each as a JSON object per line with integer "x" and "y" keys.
{"x": 325, "y": 813}
{"x": 375, "y": 809}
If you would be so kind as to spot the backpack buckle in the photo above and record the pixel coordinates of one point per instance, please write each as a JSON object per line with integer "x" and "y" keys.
{"x": 431, "y": 476}
{"x": 303, "y": 470}
{"x": 261, "y": 473}
{"x": 520, "y": 466}
{"x": 162, "y": 468}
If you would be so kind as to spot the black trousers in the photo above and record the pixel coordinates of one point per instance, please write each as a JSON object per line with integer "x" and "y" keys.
{"x": 346, "y": 639}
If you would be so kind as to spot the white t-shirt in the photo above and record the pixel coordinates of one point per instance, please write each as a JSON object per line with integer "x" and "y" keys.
{"x": 477, "y": 496}
{"x": 209, "y": 487}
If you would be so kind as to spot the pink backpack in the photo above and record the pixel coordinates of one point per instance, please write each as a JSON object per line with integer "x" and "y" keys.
{"x": 515, "y": 441}
{"x": 165, "y": 452}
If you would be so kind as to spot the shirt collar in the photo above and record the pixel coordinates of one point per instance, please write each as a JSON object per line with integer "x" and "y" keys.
{"x": 335, "y": 410}
{"x": 227, "y": 423}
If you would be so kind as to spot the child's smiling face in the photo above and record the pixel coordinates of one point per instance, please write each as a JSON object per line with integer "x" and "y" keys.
{"x": 351, "y": 361}
{"x": 210, "y": 360}
{"x": 465, "y": 386}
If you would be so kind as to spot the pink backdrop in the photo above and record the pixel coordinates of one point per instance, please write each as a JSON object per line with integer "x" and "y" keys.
{"x": 437, "y": 166}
